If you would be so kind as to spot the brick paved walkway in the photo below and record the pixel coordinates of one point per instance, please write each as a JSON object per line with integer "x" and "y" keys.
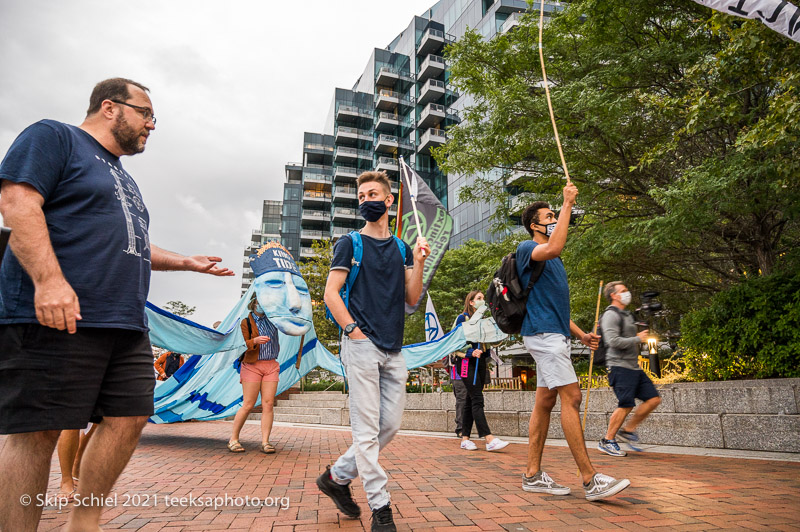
{"x": 435, "y": 485}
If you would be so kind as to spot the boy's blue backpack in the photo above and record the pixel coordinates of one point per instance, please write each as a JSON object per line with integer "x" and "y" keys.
{"x": 358, "y": 253}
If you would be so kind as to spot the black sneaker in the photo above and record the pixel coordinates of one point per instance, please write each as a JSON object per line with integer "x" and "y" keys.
{"x": 382, "y": 519}
{"x": 340, "y": 494}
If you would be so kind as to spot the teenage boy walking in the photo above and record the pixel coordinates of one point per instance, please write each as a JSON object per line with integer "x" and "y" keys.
{"x": 545, "y": 332}
{"x": 373, "y": 323}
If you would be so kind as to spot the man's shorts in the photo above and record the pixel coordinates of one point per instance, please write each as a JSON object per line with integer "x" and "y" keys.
{"x": 551, "y": 351}
{"x": 630, "y": 384}
{"x": 260, "y": 371}
{"x": 53, "y": 380}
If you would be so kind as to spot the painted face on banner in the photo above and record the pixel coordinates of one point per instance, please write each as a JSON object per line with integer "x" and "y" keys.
{"x": 286, "y": 301}
{"x": 280, "y": 290}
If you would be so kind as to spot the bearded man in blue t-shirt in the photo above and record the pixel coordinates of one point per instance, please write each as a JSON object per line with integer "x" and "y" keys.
{"x": 74, "y": 346}
{"x": 546, "y": 333}
{"x": 373, "y": 324}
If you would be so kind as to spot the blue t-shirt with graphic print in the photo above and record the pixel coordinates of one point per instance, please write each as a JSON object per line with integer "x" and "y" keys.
{"x": 377, "y": 300}
{"x": 96, "y": 221}
{"x": 547, "y": 309}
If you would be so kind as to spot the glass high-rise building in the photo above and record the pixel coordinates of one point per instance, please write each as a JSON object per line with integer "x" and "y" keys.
{"x": 270, "y": 229}
{"x": 400, "y": 105}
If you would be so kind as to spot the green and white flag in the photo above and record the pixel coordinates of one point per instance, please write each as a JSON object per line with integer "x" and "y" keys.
{"x": 436, "y": 224}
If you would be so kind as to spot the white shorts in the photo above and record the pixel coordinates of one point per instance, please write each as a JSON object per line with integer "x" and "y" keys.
{"x": 551, "y": 351}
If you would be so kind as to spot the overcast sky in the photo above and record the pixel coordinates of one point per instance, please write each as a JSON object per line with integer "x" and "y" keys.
{"x": 234, "y": 86}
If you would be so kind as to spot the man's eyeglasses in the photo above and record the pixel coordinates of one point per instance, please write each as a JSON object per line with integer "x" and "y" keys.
{"x": 146, "y": 113}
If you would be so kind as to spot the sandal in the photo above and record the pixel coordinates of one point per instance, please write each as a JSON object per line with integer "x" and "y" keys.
{"x": 267, "y": 448}
{"x": 70, "y": 497}
{"x": 235, "y": 447}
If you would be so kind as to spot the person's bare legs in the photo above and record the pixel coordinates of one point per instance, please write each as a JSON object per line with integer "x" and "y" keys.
{"x": 537, "y": 427}
{"x": 84, "y": 441}
{"x": 106, "y": 456}
{"x": 249, "y": 396}
{"x": 268, "y": 390}
{"x": 67, "y": 451}
{"x": 25, "y": 463}
{"x": 615, "y": 422}
{"x": 641, "y": 412}
{"x": 570, "y": 395}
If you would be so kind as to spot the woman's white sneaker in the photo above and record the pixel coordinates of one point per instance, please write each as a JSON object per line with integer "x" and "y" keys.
{"x": 496, "y": 444}
{"x": 467, "y": 445}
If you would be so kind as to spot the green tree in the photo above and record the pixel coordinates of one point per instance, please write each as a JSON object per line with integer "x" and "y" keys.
{"x": 179, "y": 308}
{"x": 315, "y": 272}
{"x": 680, "y": 128}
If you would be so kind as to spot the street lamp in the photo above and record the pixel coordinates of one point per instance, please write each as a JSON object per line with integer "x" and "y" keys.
{"x": 652, "y": 345}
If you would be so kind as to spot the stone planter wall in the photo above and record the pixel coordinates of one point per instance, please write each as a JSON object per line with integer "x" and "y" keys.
{"x": 753, "y": 415}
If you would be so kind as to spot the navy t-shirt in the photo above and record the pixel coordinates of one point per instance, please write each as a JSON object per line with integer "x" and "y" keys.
{"x": 97, "y": 224}
{"x": 377, "y": 300}
{"x": 547, "y": 309}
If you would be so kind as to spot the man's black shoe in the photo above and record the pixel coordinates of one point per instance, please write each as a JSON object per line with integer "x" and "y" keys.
{"x": 382, "y": 519}
{"x": 340, "y": 495}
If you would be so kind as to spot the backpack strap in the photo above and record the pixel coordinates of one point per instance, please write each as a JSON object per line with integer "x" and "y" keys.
{"x": 402, "y": 246}
{"x": 536, "y": 272}
{"x": 249, "y": 327}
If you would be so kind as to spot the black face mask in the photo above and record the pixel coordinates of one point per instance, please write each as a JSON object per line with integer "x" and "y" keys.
{"x": 372, "y": 210}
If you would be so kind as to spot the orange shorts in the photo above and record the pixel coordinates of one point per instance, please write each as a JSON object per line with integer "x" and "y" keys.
{"x": 260, "y": 371}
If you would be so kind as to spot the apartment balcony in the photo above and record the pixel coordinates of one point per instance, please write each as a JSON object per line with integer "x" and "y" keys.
{"x": 432, "y": 90}
{"x": 511, "y": 22}
{"x": 345, "y": 193}
{"x": 344, "y": 213}
{"x": 387, "y": 143}
{"x": 339, "y": 231}
{"x": 431, "y": 138}
{"x": 345, "y": 174}
{"x": 387, "y": 121}
{"x": 350, "y": 113}
{"x": 387, "y": 100}
{"x": 307, "y": 235}
{"x": 317, "y": 178}
{"x": 316, "y": 198}
{"x": 431, "y": 67}
{"x": 344, "y": 155}
{"x": 320, "y": 149}
{"x": 432, "y": 41}
{"x": 432, "y": 114}
{"x": 308, "y": 253}
{"x": 388, "y": 164}
{"x": 316, "y": 216}
{"x": 389, "y": 76}
{"x": 346, "y": 134}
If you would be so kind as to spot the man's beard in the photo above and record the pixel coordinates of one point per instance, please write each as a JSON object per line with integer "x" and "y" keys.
{"x": 127, "y": 137}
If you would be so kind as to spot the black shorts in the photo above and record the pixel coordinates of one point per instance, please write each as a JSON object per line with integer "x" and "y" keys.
{"x": 53, "y": 380}
{"x": 630, "y": 384}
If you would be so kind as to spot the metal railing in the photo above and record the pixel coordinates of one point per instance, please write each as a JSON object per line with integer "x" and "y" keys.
{"x": 340, "y": 231}
{"x": 433, "y": 59}
{"x": 386, "y": 93}
{"x": 327, "y": 178}
{"x": 388, "y": 160}
{"x": 316, "y": 195}
{"x": 322, "y": 215}
{"x": 310, "y": 234}
{"x": 391, "y": 70}
{"x": 354, "y": 152}
{"x": 345, "y": 190}
{"x": 354, "y": 109}
{"x": 505, "y": 383}
{"x": 344, "y": 210}
{"x": 323, "y": 167}
{"x": 353, "y": 130}
{"x": 351, "y": 170}
{"x": 318, "y": 147}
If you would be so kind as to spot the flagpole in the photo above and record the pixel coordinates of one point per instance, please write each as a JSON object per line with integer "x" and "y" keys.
{"x": 413, "y": 198}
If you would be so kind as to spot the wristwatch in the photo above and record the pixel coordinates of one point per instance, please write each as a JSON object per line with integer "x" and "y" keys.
{"x": 350, "y": 328}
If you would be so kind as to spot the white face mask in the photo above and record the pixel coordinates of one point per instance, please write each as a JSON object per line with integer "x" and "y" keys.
{"x": 625, "y": 298}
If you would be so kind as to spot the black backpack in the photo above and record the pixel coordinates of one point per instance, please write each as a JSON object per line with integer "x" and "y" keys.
{"x": 600, "y": 352}
{"x": 172, "y": 364}
{"x": 506, "y": 298}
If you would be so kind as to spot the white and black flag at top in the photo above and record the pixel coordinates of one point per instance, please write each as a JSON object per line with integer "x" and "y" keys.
{"x": 780, "y": 15}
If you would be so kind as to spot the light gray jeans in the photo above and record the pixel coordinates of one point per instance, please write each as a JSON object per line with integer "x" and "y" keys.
{"x": 377, "y": 381}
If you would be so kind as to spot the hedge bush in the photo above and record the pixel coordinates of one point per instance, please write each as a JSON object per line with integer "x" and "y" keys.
{"x": 749, "y": 331}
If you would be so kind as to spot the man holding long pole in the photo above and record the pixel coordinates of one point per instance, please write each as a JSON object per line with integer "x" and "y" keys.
{"x": 546, "y": 332}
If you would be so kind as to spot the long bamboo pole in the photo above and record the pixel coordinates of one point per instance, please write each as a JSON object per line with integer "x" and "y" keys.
{"x": 591, "y": 357}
